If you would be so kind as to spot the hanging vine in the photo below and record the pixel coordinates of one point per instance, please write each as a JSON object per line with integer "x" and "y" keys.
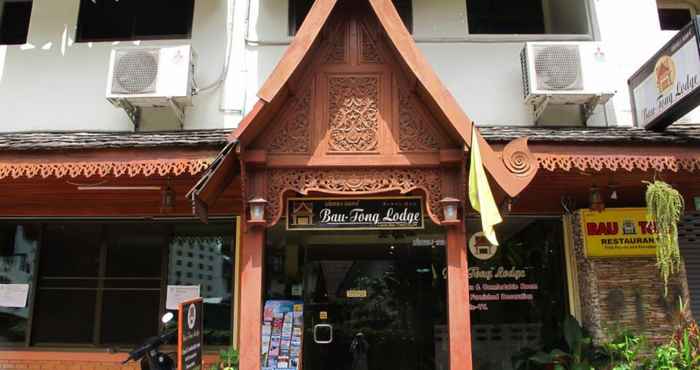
{"x": 665, "y": 207}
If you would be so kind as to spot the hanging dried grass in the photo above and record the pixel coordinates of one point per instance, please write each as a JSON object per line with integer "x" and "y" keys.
{"x": 665, "y": 207}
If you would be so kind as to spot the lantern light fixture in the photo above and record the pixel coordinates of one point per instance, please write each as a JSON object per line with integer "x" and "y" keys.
{"x": 450, "y": 208}
{"x": 596, "y": 199}
{"x": 257, "y": 210}
{"x": 167, "y": 200}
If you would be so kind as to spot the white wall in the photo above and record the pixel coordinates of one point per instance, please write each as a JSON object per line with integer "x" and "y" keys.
{"x": 54, "y": 84}
{"x": 62, "y": 88}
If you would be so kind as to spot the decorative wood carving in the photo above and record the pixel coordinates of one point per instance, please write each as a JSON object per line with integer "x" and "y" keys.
{"x": 583, "y": 162}
{"x": 519, "y": 160}
{"x": 292, "y": 134}
{"x": 415, "y": 134}
{"x": 352, "y": 182}
{"x": 335, "y": 52}
{"x": 90, "y": 169}
{"x": 353, "y": 112}
{"x": 369, "y": 54}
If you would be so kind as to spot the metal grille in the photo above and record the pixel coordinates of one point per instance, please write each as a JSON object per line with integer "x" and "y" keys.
{"x": 135, "y": 71}
{"x": 558, "y": 67}
{"x": 689, "y": 242}
{"x": 525, "y": 74}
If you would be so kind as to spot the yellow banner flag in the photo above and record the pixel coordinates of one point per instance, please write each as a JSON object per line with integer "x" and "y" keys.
{"x": 480, "y": 194}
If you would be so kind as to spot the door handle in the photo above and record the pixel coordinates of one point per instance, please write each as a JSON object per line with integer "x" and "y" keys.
{"x": 321, "y": 340}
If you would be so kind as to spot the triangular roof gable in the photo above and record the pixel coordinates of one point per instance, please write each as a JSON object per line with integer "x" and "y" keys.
{"x": 436, "y": 97}
{"x": 428, "y": 87}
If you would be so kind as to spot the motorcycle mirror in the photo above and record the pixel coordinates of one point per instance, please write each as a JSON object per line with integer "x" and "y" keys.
{"x": 167, "y": 317}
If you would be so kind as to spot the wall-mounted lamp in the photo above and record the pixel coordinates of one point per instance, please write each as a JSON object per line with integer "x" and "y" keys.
{"x": 167, "y": 199}
{"x": 450, "y": 210}
{"x": 596, "y": 199}
{"x": 507, "y": 205}
{"x": 257, "y": 211}
{"x": 613, "y": 191}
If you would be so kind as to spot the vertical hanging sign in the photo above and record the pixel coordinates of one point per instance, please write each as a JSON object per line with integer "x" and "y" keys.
{"x": 190, "y": 319}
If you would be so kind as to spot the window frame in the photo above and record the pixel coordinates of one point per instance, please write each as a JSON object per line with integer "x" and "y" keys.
{"x": 79, "y": 28}
{"x": 29, "y": 22}
{"x": 292, "y": 28}
{"x": 691, "y": 6}
{"x": 104, "y": 223}
{"x": 546, "y": 17}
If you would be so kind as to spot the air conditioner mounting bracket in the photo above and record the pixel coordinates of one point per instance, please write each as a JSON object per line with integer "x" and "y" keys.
{"x": 588, "y": 107}
{"x": 178, "y": 110}
{"x": 132, "y": 111}
{"x": 539, "y": 105}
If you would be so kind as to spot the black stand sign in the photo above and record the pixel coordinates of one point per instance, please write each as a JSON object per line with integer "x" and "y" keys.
{"x": 354, "y": 213}
{"x": 190, "y": 318}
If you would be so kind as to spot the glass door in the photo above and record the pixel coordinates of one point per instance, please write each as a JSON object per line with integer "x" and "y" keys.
{"x": 374, "y": 307}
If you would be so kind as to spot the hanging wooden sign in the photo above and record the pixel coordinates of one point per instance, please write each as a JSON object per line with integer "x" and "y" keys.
{"x": 354, "y": 213}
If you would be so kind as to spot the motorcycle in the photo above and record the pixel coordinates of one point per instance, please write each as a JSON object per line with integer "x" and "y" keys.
{"x": 149, "y": 354}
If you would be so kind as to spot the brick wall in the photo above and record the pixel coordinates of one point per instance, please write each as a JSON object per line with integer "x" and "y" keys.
{"x": 625, "y": 293}
{"x": 68, "y": 365}
{"x": 71, "y": 361}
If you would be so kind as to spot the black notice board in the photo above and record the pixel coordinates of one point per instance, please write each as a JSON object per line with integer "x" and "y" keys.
{"x": 190, "y": 334}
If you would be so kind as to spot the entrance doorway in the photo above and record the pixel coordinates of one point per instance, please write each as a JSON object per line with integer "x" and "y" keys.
{"x": 371, "y": 300}
{"x": 373, "y": 307}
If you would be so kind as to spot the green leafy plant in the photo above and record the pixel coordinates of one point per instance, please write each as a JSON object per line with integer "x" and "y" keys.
{"x": 665, "y": 358}
{"x": 624, "y": 351}
{"x": 686, "y": 338}
{"x": 665, "y": 207}
{"x": 582, "y": 354}
{"x": 228, "y": 360}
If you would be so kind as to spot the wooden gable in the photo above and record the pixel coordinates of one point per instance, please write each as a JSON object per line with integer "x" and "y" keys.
{"x": 353, "y": 103}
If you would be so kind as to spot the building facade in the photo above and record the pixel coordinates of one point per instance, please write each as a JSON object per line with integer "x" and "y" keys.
{"x": 304, "y": 110}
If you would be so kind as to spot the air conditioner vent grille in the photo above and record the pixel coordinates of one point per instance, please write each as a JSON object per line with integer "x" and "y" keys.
{"x": 135, "y": 71}
{"x": 558, "y": 67}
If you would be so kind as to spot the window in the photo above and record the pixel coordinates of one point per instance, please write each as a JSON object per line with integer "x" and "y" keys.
{"x": 18, "y": 252}
{"x": 674, "y": 15}
{"x": 216, "y": 284}
{"x": 14, "y": 21}
{"x": 518, "y": 290}
{"x": 527, "y": 17}
{"x": 104, "y": 284}
{"x": 505, "y": 16}
{"x": 99, "y": 284}
{"x": 298, "y": 9}
{"x": 109, "y": 20}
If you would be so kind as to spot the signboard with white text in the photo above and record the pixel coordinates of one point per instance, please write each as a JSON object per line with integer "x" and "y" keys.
{"x": 190, "y": 335}
{"x": 668, "y": 85}
{"x": 354, "y": 213}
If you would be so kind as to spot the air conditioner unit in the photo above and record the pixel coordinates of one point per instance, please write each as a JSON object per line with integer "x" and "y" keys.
{"x": 148, "y": 77}
{"x": 565, "y": 73}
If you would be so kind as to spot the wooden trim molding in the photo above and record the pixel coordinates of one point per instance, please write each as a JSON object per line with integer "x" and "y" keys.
{"x": 616, "y": 162}
{"x": 158, "y": 167}
{"x": 353, "y": 182}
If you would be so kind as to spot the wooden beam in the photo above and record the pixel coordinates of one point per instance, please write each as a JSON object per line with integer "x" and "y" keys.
{"x": 458, "y": 300}
{"x": 252, "y": 248}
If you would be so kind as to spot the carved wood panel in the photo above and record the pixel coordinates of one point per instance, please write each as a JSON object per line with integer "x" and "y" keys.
{"x": 415, "y": 133}
{"x": 291, "y": 133}
{"x": 353, "y": 113}
{"x": 336, "y": 51}
{"x": 369, "y": 54}
{"x": 354, "y": 182}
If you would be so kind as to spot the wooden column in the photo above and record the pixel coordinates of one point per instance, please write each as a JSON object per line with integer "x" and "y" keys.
{"x": 251, "y": 285}
{"x": 458, "y": 300}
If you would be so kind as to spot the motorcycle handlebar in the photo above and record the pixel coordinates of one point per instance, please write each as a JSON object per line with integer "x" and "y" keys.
{"x": 149, "y": 344}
